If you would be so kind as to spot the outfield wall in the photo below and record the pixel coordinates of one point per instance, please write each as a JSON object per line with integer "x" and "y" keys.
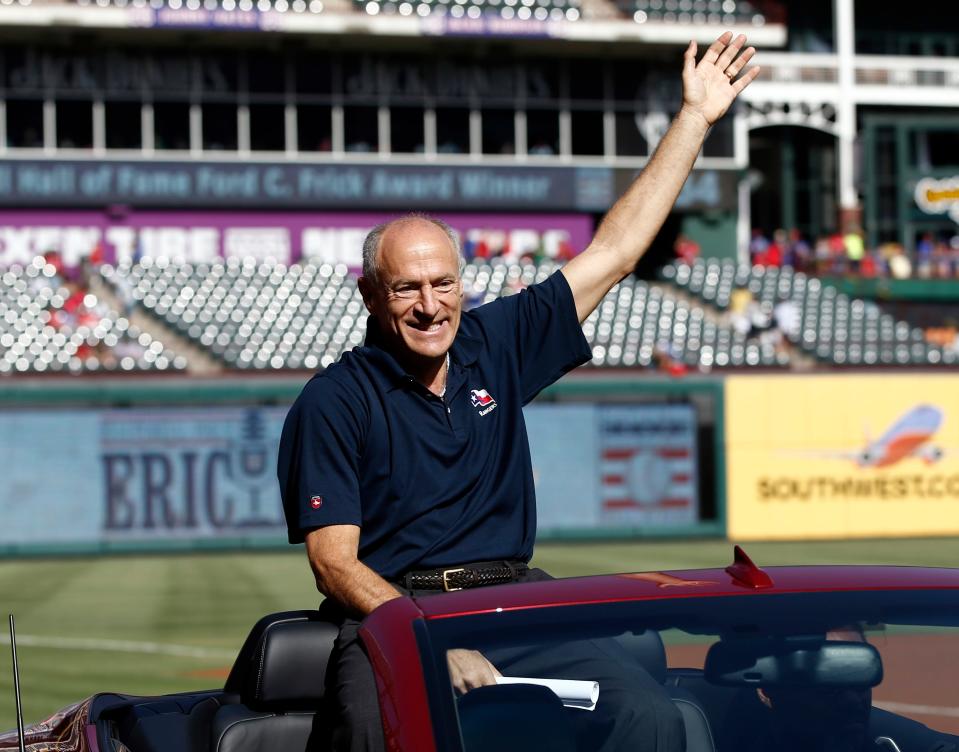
{"x": 184, "y": 465}
{"x": 136, "y": 465}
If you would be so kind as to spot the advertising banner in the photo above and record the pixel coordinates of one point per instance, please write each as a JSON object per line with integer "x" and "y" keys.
{"x": 284, "y": 186}
{"x": 155, "y": 477}
{"x": 285, "y": 237}
{"x": 842, "y": 456}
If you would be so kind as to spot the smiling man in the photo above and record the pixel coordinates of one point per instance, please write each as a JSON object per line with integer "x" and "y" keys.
{"x": 405, "y": 467}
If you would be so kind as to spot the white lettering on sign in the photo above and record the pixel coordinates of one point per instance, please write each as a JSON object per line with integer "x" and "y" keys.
{"x": 181, "y": 243}
{"x": 19, "y": 245}
{"x": 124, "y": 240}
{"x": 340, "y": 245}
{"x": 257, "y": 242}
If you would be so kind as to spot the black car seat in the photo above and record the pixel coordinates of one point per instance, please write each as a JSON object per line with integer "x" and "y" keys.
{"x": 279, "y": 678}
{"x": 647, "y": 648}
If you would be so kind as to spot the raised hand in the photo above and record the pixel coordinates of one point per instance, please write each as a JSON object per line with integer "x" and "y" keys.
{"x": 711, "y": 85}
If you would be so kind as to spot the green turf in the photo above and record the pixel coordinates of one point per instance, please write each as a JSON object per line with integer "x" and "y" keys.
{"x": 210, "y": 601}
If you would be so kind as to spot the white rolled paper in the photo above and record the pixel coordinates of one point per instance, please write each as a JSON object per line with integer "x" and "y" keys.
{"x": 573, "y": 692}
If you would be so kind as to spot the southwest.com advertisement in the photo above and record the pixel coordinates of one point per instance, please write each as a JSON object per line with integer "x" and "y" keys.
{"x": 841, "y": 456}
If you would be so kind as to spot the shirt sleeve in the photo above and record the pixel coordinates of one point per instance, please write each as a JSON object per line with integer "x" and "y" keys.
{"x": 540, "y": 325}
{"x": 318, "y": 464}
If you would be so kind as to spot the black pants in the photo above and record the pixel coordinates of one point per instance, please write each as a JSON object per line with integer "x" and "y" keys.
{"x": 634, "y": 713}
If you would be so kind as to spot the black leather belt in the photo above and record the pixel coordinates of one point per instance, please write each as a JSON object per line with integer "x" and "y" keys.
{"x": 463, "y": 577}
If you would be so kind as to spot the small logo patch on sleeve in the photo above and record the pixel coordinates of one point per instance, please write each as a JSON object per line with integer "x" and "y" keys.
{"x": 316, "y": 502}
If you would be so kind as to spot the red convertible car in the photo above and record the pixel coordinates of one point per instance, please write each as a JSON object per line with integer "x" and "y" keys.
{"x": 814, "y": 658}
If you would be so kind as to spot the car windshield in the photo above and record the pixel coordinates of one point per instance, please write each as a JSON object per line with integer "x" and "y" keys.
{"x": 847, "y": 670}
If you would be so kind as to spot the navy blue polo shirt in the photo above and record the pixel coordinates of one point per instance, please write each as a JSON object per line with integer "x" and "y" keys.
{"x": 431, "y": 481}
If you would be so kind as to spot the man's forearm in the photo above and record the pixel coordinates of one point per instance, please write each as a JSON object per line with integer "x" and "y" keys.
{"x": 340, "y": 575}
{"x": 356, "y": 587}
{"x": 635, "y": 219}
{"x": 709, "y": 89}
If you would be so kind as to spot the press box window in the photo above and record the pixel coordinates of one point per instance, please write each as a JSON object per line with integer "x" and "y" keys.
{"x": 314, "y": 131}
{"x": 361, "y": 129}
{"x": 74, "y": 124}
{"x": 219, "y": 126}
{"x": 24, "y": 123}
{"x": 542, "y": 133}
{"x": 499, "y": 133}
{"x": 171, "y": 126}
{"x": 452, "y": 130}
{"x": 123, "y": 125}
{"x": 267, "y": 127}
{"x": 406, "y": 130}
{"x": 587, "y": 132}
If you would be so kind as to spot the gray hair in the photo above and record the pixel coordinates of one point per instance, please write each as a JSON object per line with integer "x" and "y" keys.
{"x": 371, "y": 244}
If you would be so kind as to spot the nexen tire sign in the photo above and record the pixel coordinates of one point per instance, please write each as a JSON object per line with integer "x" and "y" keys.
{"x": 842, "y": 456}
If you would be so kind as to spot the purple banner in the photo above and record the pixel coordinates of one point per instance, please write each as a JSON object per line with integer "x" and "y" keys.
{"x": 487, "y": 25}
{"x": 285, "y": 237}
{"x": 200, "y": 18}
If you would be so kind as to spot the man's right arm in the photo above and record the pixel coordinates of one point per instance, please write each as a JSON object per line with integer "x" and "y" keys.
{"x": 345, "y": 579}
{"x": 340, "y": 575}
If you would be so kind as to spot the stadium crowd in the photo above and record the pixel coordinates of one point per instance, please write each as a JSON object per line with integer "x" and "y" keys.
{"x": 838, "y": 255}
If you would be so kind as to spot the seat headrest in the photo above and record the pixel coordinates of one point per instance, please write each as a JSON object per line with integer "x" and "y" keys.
{"x": 647, "y": 648}
{"x": 282, "y": 664}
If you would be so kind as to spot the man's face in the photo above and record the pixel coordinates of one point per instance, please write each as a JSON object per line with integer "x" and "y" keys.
{"x": 417, "y": 297}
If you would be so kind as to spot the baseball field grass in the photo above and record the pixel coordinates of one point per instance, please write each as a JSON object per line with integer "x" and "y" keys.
{"x": 156, "y": 624}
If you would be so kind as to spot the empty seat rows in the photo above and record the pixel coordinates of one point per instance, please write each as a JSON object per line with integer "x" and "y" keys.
{"x": 638, "y": 322}
{"x": 47, "y": 325}
{"x": 729, "y": 12}
{"x": 524, "y": 10}
{"x": 831, "y": 326}
{"x": 246, "y": 6}
{"x": 253, "y": 315}
{"x": 260, "y": 316}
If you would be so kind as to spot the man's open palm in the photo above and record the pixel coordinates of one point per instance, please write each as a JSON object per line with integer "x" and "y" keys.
{"x": 711, "y": 85}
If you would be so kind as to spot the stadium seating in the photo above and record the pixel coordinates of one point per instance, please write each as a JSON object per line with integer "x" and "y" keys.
{"x": 263, "y": 316}
{"x": 281, "y": 6}
{"x": 832, "y": 327}
{"x": 250, "y": 315}
{"x": 260, "y": 316}
{"x": 524, "y": 10}
{"x": 49, "y": 325}
{"x": 728, "y": 12}
{"x": 639, "y": 323}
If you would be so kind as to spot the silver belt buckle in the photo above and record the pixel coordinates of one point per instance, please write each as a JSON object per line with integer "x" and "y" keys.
{"x": 446, "y": 582}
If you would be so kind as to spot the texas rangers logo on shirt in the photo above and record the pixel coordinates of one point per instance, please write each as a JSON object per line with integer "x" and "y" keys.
{"x": 482, "y": 400}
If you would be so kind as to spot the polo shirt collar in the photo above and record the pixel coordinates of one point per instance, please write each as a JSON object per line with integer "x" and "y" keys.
{"x": 390, "y": 373}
